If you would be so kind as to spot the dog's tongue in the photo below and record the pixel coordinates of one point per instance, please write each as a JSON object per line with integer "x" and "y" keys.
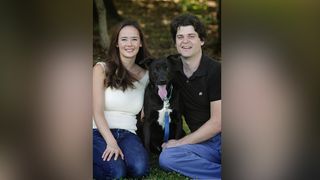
{"x": 162, "y": 91}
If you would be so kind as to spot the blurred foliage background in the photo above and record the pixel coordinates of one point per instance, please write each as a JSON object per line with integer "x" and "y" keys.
{"x": 154, "y": 17}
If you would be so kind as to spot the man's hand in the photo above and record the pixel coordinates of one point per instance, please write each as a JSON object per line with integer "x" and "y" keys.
{"x": 171, "y": 143}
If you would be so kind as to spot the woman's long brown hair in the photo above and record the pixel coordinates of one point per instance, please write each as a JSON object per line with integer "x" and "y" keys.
{"x": 117, "y": 75}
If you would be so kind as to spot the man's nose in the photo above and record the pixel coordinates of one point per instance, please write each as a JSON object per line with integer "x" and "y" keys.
{"x": 185, "y": 40}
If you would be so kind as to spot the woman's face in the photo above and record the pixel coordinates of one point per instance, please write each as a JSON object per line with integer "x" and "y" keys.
{"x": 129, "y": 42}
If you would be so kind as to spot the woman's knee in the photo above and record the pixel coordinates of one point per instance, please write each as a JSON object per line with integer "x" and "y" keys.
{"x": 118, "y": 173}
{"x": 139, "y": 171}
{"x": 139, "y": 168}
{"x": 114, "y": 169}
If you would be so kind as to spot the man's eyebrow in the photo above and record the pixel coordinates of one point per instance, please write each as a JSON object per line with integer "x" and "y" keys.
{"x": 192, "y": 34}
{"x": 187, "y": 34}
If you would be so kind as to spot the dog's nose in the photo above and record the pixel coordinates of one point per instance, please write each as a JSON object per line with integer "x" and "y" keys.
{"x": 163, "y": 82}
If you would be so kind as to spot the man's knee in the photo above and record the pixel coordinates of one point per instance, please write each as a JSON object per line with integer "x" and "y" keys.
{"x": 167, "y": 160}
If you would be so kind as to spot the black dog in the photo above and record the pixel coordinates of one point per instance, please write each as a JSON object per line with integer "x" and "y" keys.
{"x": 160, "y": 96}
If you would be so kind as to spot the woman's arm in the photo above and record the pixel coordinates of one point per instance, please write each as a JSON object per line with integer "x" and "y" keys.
{"x": 98, "y": 114}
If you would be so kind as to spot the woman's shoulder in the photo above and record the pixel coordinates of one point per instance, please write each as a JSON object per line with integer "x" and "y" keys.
{"x": 145, "y": 75}
{"x": 142, "y": 73}
{"x": 99, "y": 69}
{"x": 100, "y": 66}
{"x": 145, "y": 78}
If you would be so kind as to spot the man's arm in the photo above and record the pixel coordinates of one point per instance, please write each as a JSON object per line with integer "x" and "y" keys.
{"x": 206, "y": 131}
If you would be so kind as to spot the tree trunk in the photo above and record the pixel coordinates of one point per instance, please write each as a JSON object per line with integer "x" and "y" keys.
{"x": 218, "y": 49}
{"x": 112, "y": 12}
{"x": 103, "y": 27}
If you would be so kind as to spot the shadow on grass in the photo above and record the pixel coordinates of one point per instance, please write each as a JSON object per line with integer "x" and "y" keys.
{"x": 157, "y": 173}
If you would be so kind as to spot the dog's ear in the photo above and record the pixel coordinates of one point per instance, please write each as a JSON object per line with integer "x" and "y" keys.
{"x": 146, "y": 62}
{"x": 173, "y": 59}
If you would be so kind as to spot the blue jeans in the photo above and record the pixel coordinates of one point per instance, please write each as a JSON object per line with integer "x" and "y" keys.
{"x": 135, "y": 163}
{"x": 197, "y": 161}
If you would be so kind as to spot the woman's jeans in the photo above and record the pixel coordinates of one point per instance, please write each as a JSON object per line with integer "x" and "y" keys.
{"x": 135, "y": 163}
{"x": 198, "y": 161}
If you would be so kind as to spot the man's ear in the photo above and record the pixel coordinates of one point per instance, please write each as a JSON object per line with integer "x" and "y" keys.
{"x": 146, "y": 62}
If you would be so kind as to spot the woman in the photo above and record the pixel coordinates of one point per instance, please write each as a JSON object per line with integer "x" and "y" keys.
{"x": 118, "y": 90}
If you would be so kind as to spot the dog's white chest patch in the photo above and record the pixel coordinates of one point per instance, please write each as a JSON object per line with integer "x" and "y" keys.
{"x": 162, "y": 112}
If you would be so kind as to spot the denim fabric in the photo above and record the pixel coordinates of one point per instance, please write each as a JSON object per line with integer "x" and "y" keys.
{"x": 135, "y": 163}
{"x": 197, "y": 161}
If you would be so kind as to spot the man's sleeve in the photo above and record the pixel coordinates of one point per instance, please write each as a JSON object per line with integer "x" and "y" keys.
{"x": 214, "y": 82}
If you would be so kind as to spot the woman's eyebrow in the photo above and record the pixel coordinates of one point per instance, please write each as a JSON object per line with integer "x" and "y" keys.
{"x": 129, "y": 36}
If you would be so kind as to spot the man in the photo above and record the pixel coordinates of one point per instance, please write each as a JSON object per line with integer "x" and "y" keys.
{"x": 198, "y": 154}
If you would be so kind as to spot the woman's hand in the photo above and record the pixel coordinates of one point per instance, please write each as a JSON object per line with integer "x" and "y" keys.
{"x": 112, "y": 149}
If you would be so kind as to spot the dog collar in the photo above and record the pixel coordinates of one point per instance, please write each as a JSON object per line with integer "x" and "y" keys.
{"x": 170, "y": 94}
{"x": 166, "y": 105}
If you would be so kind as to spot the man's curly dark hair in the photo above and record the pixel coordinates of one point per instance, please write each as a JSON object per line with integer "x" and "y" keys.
{"x": 186, "y": 20}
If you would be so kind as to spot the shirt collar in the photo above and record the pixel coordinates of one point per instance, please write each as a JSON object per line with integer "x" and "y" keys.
{"x": 201, "y": 70}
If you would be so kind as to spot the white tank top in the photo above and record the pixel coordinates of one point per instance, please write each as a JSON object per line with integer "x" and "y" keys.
{"x": 121, "y": 107}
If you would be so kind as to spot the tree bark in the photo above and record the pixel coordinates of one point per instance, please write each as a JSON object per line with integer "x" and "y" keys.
{"x": 112, "y": 12}
{"x": 218, "y": 49}
{"x": 103, "y": 27}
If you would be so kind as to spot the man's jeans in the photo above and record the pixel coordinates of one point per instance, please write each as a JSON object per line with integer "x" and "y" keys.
{"x": 198, "y": 161}
{"x": 135, "y": 163}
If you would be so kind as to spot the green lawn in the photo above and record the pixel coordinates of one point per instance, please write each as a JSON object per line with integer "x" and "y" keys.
{"x": 157, "y": 173}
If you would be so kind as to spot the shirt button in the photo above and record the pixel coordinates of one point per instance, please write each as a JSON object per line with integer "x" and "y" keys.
{"x": 187, "y": 81}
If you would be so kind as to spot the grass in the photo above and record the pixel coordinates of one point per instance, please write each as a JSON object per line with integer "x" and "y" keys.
{"x": 157, "y": 173}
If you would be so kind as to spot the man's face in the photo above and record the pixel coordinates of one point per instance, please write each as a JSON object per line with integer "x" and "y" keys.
{"x": 188, "y": 43}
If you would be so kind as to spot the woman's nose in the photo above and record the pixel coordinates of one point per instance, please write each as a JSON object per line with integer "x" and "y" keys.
{"x": 129, "y": 43}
